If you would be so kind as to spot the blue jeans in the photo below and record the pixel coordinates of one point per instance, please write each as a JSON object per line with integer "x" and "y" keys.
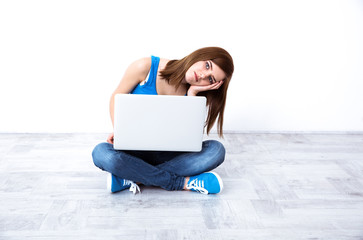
{"x": 158, "y": 168}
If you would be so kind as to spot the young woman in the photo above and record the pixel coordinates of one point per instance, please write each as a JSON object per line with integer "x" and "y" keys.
{"x": 205, "y": 72}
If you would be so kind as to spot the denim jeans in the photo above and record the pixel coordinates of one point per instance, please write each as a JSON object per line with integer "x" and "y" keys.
{"x": 158, "y": 168}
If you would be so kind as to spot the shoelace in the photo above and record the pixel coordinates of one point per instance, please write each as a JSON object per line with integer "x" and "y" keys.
{"x": 133, "y": 186}
{"x": 197, "y": 186}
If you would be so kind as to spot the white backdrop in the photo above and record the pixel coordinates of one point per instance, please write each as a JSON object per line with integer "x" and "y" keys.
{"x": 298, "y": 64}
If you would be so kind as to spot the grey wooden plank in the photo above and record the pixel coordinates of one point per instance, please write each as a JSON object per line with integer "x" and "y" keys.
{"x": 276, "y": 186}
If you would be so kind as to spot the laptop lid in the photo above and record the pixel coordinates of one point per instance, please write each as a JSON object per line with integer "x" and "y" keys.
{"x": 159, "y": 122}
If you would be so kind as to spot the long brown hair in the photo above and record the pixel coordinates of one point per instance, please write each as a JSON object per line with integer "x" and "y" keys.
{"x": 175, "y": 70}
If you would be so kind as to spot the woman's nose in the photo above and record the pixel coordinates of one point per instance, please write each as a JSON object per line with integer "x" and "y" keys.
{"x": 204, "y": 75}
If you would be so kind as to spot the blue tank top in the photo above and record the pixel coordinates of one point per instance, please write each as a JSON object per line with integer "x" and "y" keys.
{"x": 149, "y": 87}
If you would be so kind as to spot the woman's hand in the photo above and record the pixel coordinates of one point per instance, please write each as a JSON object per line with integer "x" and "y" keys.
{"x": 110, "y": 138}
{"x": 195, "y": 89}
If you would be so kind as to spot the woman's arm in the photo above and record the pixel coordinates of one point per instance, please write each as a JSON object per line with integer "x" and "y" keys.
{"x": 135, "y": 74}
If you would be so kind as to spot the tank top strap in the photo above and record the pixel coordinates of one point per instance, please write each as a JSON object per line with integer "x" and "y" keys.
{"x": 153, "y": 71}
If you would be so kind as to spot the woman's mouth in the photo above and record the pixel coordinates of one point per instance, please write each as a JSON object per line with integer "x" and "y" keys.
{"x": 196, "y": 77}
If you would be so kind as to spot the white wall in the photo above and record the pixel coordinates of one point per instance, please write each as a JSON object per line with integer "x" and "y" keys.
{"x": 298, "y": 63}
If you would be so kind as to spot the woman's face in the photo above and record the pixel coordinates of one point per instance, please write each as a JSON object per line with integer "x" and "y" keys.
{"x": 204, "y": 73}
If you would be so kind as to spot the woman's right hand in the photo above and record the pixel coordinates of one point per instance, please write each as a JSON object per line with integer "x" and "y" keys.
{"x": 110, "y": 138}
{"x": 195, "y": 89}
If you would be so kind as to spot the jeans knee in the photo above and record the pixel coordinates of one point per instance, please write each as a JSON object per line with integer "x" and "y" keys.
{"x": 221, "y": 151}
{"x": 99, "y": 154}
{"x": 217, "y": 150}
{"x": 216, "y": 145}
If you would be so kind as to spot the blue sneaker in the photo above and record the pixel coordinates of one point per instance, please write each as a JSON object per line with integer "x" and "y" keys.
{"x": 116, "y": 184}
{"x": 206, "y": 183}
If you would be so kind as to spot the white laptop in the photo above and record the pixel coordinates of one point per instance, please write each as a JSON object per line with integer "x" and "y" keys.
{"x": 159, "y": 122}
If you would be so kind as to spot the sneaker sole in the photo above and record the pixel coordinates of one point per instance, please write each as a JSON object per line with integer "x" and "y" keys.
{"x": 109, "y": 182}
{"x": 219, "y": 180}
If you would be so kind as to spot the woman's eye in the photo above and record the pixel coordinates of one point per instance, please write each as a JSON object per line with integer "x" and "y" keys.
{"x": 210, "y": 80}
{"x": 207, "y": 65}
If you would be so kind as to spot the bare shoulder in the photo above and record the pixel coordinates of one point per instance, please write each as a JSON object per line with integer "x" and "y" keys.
{"x": 134, "y": 74}
{"x": 141, "y": 66}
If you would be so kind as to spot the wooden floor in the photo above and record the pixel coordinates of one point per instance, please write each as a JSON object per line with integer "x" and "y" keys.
{"x": 277, "y": 186}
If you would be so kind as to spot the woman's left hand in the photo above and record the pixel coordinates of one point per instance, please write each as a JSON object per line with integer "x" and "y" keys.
{"x": 195, "y": 89}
